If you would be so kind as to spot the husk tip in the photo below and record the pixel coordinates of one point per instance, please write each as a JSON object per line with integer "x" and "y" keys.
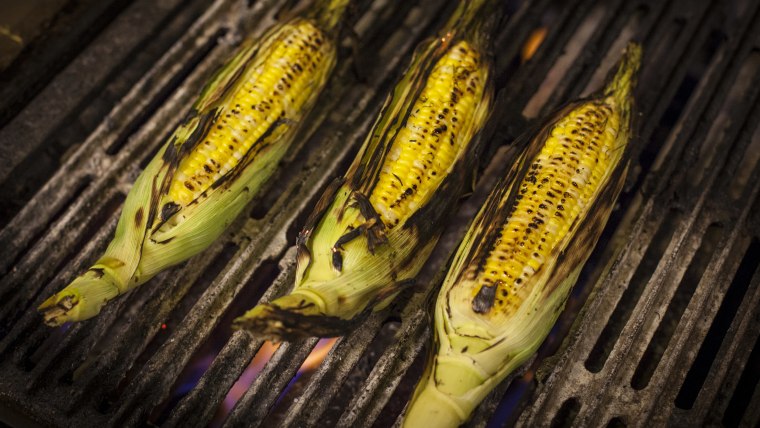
{"x": 284, "y": 320}
{"x": 59, "y": 308}
{"x": 623, "y": 77}
{"x": 80, "y": 300}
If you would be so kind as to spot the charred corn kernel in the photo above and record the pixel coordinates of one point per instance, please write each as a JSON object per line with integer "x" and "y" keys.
{"x": 277, "y": 91}
{"x": 558, "y": 186}
{"x": 373, "y": 230}
{"x": 214, "y": 163}
{"x": 523, "y": 253}
{"x": 427, "y": 144}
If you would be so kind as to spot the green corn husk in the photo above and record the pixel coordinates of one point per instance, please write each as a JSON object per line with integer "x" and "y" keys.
{"x": 164, "y": 223}
{"x": 484, "y": 329}
{"x": 351, "y": 258}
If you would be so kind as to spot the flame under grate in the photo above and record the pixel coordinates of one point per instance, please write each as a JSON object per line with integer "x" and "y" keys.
{"x": 663, "y": 326}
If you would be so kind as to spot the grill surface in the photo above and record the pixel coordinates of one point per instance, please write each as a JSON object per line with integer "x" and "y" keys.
{"x": 662, "y": 327}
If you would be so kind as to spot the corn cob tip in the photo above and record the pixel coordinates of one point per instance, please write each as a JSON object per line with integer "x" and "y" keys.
{"x": 623, "y": 81}
{"x": 81, "y": 300}
{"x": 288, "y": 318}
{"x": 632, "y": 55}
{"x": 476, "y": 19}
{"x": 328, "y": 14}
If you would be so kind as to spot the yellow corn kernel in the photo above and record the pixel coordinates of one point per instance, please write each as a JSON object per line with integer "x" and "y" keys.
{"x": 559, "y": 186}
{"x": 427, "y": 145}
{"x": 276, "y": 87}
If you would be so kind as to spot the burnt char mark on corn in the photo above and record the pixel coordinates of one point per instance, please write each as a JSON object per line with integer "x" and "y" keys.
{"x": 274, "y": 91}
{"x": 557, "y": 188}
{"x": 430, "y": 139}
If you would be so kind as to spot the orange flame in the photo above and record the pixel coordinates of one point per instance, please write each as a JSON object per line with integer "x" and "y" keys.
{"x": 530, "y": 47}
{"x": 317, "y": 355}
{"x": 266, "y": 351}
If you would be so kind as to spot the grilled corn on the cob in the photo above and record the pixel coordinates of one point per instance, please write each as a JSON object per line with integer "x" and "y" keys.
{"x": 214, "y": 163}
{"x": 515, "y": 268}
{"x": 372, "y": 231}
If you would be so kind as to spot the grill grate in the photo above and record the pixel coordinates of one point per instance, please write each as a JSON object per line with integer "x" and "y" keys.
{"x": 663, "y": 326}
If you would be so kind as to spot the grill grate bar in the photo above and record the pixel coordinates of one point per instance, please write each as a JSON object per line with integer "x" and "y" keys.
{"x": 585, "y": 64}
{"x": 120, "y": 368}
{"x": 346, "y": 352}
{"x": 708, "y": 295}
{"x": 121, "y": 350}
{"x": 48, "y": 54}
{"x": 202, "y": 401}
{"x": 69, "y": 93}
{"x": 28, "y": 270}
{"x": 280, "y": 369}
{"x": 29, "y": 323}
{"x": 199, "y": 405}
{"x": 719, "y": 410}
{"x": 662, "y": 81}
{"x": 709, "y": 292}
{"x": 714, "y": 398}
{"x": 379, "y": 386}
{"x": 518, "y": 27}
{"x": 526, "y": 80}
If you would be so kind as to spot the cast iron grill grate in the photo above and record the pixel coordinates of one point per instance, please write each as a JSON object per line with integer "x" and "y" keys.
{"x": 663, "y": 326}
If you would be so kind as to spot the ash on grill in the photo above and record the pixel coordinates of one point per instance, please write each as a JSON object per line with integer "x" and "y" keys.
{"x": 662, "y": 327}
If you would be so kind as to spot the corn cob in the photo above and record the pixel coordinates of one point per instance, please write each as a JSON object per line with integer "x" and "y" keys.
{"x": 215, "y": 161}
{"x": 373, "y": 230}
{"x": 514, "y": 270}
